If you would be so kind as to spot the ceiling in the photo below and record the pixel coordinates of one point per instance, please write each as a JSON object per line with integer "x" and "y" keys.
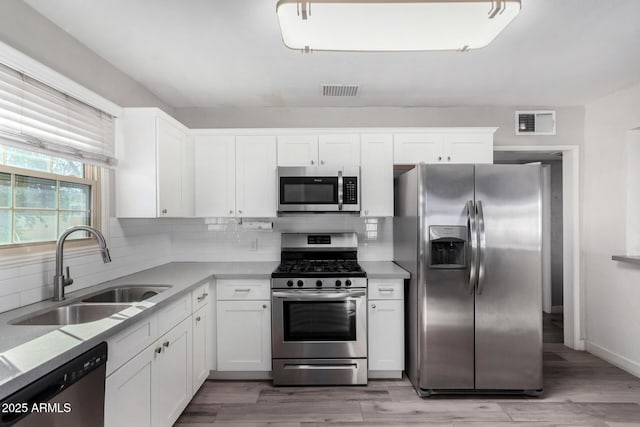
{"x": 229, "y": 53}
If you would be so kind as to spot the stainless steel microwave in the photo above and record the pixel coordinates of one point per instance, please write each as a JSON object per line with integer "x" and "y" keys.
{"x": 318, "y": 189}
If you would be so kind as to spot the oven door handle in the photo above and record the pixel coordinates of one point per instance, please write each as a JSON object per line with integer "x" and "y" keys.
{"x": 315, "y": 295}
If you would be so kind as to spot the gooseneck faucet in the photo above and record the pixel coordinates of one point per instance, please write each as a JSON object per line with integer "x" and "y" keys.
{"x": 59, "y": 280}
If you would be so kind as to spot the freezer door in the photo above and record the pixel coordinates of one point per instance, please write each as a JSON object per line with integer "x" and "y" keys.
{"x": 446, "y": 300}
{"x": 509, "y": 290}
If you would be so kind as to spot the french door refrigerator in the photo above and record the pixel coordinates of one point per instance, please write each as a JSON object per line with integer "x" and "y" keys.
{"x": 470, "y": 235}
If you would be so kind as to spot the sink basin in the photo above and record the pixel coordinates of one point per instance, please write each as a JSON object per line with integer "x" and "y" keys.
{"x": 124, "y": 294}
{"x": 73, "y": 314}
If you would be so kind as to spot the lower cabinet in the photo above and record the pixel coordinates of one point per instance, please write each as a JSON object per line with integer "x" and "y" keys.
{"x": 244, "y": 335}
{"x": 201, "y": 344}
{"x": 154, "y": 387}
{"x": 386, "y": 329}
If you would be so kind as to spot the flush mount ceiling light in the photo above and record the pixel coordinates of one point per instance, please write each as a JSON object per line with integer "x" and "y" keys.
{"x": 378, "y": 25}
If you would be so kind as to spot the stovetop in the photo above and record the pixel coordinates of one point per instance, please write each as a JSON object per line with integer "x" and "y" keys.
{"x": 319, "y": 268}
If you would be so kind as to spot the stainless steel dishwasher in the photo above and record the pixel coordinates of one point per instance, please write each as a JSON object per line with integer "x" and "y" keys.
{"x": 70, "y": 395}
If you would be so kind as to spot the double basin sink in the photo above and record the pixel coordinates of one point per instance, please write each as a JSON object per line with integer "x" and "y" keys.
{"x": 93, "y": 307}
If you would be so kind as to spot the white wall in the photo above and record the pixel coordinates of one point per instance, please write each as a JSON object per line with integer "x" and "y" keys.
{"x": 26, "y": 30}
{"x": 612, "y": 288}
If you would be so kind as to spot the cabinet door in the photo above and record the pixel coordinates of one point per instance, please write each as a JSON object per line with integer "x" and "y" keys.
{"x": 416, "y": 148}
{"x": 256, "y": 176}
{"x": 188, "y": 178}
{"x": 376, "y": 172}
{"x": 127, "y": 399}
{"x": 386, "y": 335}
{"x": 468, "y": 148}
{"x": 170, "y": 142}
{"x": 339, "y": 150}
{"x": 172, "y": 375}
{"x": 215, "y": 175}
{"x": 244, "y": 335}
{"x": 297, "y": 150}
{"x": 201, "y": 337}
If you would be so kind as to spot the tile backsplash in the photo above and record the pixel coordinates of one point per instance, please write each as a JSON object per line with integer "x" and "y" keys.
{"x": 138, "y": 244}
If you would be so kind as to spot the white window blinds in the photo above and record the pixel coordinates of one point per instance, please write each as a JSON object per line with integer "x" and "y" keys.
{"x": 37, "y": 117}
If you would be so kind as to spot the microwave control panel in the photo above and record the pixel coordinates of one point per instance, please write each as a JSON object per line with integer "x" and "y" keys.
{"x": 350, "y": 195}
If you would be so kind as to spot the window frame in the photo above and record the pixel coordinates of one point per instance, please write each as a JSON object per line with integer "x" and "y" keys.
{"x": 92, "y": 178}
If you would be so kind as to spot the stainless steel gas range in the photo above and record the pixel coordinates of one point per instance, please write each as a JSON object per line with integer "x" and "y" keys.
{"x": 319, "y": 312}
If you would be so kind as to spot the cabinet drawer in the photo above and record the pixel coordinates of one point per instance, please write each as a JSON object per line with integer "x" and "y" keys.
{"x": 200, "y": 296}
{"x": 386, "y": 289}
{"x": 126, "y": 344}
{"x": 173, "y": 314}
{"x": 243, "y": 289}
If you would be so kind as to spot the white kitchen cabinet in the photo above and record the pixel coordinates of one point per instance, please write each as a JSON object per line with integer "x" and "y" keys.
{"x": 297, "y": 150}
{"x": 172, "y": 375}
{"x": 256, "y": 176}
{"x": 244, "y": 335}
{"x": 215, "y": 175}
{"x": 201, "y": 345}
{"x": 376, "y": 175}
{"x": 154, "y": 177}
{"x": 339, "y": 150}
{"x": 443, "y": 147}
{"x": 324, "y": 150}
{"x": 127, "y": 400}
{"x": 386, "y": 328}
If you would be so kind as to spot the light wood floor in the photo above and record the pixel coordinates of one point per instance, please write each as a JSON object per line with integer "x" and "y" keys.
{"x": 579, "y": 390}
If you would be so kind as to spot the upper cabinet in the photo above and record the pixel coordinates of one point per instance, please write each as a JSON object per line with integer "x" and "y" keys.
{"x": 376, "y": 175}
{"x": 472, "y": 145}
{"x": 154, "y": 177}
{"x": 235, "y": 176}
{"x": 314, "y": 150}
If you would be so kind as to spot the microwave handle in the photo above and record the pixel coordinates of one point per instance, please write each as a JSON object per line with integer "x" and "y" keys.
{"x": 340, "y": 192}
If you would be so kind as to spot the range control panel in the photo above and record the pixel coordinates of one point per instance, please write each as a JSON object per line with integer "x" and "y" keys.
{"x": 350, "y": 185}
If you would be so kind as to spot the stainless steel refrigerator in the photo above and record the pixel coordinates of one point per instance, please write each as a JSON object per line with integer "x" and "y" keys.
{"x": 470, "y": 235}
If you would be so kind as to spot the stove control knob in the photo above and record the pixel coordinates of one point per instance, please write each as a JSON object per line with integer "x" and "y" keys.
{"x": 318, "y": 283}
{"x": 300, "y": 283}
{"x": 338, "y": 283}
{"x": 289, "y": 283}
{"x": 348, "y": 283}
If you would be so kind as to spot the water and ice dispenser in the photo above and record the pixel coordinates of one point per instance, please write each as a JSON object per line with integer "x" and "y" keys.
{"x": 448, "y": 246}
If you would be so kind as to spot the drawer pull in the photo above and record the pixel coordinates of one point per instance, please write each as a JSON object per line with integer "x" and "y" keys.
{"x": 373, "y": 306}
{"x": 243, "y": 290}
{"x": 202, "y": 297}
{"x": 198, "y": 319}
{"x": 158, "y": 350}
{"x": 385, "y": 289}
{"x": 166, "y": 344}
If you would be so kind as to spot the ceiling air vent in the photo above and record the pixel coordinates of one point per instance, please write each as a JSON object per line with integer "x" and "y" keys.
{"x": 542, "y": 122}
{"x": 340, "y": 90}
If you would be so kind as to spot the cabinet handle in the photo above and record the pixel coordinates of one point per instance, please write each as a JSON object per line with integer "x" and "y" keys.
{"x": 166, "y": 344}
{"x": 243, "y": 290}
{"x": 158, "y": 350}
{"x": 198, "y": 319}
{"x": 239, "y": 211}
{"x": 230, "y": 212}
{"x": 439, "y": 158}
{"x": 264, "y": 305}
{"x": 373, "y": 306}
{"x": 202, "y": 297}
{"x": 322, "y": 162}
{"x": 448, "y": 158}
{"x": 385, "y": 289}
{"x": 312, "y": 162}
{"x": 164, "y": 211}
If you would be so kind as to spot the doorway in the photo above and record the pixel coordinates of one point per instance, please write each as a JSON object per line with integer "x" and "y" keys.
{"x": 562, "y": 293}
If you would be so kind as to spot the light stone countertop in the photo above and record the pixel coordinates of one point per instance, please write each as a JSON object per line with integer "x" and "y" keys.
{"x": 28, "y": 352}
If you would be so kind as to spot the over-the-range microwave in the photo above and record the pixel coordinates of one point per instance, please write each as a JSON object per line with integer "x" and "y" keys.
{"x": 318, "y": 189}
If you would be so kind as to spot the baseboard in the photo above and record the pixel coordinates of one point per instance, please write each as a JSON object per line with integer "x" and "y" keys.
{"x": 557, "y": 309}
{"x": 614, "y": 358}
{"x": 239, "y": 375}
{"x": 384, "y": 375}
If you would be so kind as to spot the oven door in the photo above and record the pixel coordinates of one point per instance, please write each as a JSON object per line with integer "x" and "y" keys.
{"x": 319, "y": 323}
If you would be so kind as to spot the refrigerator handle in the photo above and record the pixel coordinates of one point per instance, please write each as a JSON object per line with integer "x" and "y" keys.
{"x": 473, "y": 240}
{"x": 482, "y": 238}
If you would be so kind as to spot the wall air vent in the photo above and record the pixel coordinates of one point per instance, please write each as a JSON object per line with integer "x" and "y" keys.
{"x": 340, "y": 90}
{"x": 541, "y": 122}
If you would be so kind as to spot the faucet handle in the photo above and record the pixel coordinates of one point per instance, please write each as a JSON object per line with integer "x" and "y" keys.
{"x": 68, "y": 280}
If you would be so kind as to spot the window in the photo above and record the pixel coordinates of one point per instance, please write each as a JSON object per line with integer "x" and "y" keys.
{"x": 42, "y": 195}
